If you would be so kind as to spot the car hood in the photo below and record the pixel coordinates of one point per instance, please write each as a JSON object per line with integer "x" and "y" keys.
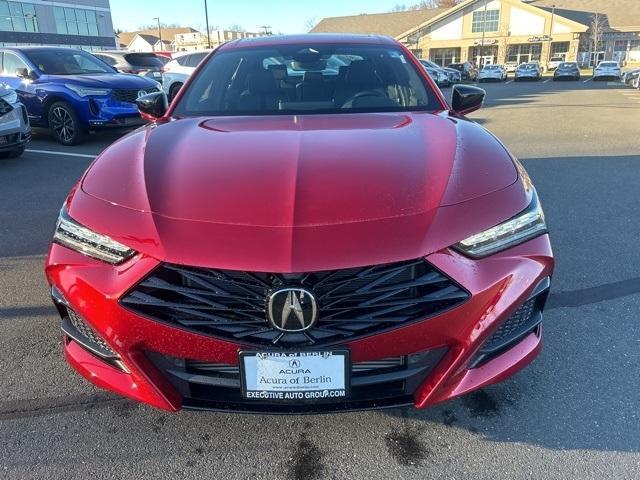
{"x": 369, "y": 181}
{"x": 106, "y": 80}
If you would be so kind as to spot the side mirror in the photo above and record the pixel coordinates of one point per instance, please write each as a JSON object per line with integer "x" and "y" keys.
{"x": 466, "y": 99}
{"x": 153, "y": 105}
{"x": 25, "y": 73}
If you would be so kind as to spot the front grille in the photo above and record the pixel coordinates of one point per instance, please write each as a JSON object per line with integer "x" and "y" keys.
{"x": 129, "y": 95}
{"x": 374, "y": 384}
{"x": 352, "y": 303}
{"x": 5, "y": 107}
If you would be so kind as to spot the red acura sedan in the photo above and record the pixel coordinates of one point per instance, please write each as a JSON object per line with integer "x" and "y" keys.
{"x": 310, "y": 226}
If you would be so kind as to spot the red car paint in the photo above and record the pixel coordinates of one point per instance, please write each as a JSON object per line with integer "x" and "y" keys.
{"x": 273, "y": 194}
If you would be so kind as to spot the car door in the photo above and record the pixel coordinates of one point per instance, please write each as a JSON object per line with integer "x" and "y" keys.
{"x": 25, "y": 88}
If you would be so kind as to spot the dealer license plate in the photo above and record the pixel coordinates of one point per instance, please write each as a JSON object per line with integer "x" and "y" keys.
{"x": 295, "y": 376}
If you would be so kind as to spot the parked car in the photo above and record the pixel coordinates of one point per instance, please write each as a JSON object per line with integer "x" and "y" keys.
{"x": 493, "y": 72}
{"x": 554, "y": 63}
{"x": 511, "y": 67}
{"x": 15, "y": 131}
{"x": 629, "y": 76}
{"x": 341, "y": 249}
{"x": 567, "y": 71}
{"x": 437, "y": 74}
{"x": 452, "y": 74}
{"x": 72, "y": 92}
{"x": 178, "y": 70}
{"x": 530, "y": 71}
{"x": 138, "y": 63}
{"x": 468, "y": 71}
{"x": 607, "y": 70}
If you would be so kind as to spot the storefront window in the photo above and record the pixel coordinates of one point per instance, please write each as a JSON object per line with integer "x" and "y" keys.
{"x": 524, "y": 52}
{"x": 626, "y": 50}
{"x": 444, "y": 56}
{"x": 485, "y": 21}
{"x": 560, "y": 49}
{"x": 17, "y": 17}
{"x": 76, "y": 21}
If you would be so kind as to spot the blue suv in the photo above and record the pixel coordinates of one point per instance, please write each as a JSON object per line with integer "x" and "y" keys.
{"x": 71, "y": 92}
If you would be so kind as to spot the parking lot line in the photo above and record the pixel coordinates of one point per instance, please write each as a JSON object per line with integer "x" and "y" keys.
{"x": 587, "y": 80}
{"x": 64, "y": 154}
{"x": 547, "y": 80}
{"x": 510, "y": 81}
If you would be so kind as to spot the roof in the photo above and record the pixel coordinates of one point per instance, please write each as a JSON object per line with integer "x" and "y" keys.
{"x": 619, "y": 13}
{"x": 392, "y": 24}
{"x": 125, "y": 38}
{"x": 308, "y": 38}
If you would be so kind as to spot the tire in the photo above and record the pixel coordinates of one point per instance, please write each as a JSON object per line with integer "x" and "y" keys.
{"x": 175, "y": 88}
{"x": 65, "y": 124}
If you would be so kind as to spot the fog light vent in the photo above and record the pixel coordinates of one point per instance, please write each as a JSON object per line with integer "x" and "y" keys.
{"x": 81, "y": 332}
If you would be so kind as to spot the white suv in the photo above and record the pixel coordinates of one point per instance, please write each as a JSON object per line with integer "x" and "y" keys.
{"x": 179, "y": 69}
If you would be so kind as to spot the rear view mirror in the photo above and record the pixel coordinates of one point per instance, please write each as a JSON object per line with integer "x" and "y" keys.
{"x": 25, "y": 73}
{"x": 153, "y": 105}
{"x": 466, "y": 99}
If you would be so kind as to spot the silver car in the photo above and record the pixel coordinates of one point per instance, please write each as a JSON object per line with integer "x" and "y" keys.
{"x": 606, "y": 70}
{"x": 530, "y": 71}
{"x": 492, "y": 72}
{"x": 15, "y": 131}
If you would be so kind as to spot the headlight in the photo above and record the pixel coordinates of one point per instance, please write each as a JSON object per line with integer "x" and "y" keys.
{"x": 11, "y": 97}
{"x": 524, "y": 226}
{"x": 88, "y": 92}
{"x": 72, "y": 235}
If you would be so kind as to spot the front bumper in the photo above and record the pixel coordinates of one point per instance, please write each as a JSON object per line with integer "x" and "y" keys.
{"x": 453, "y": 345}
{"x": 107, "y": 112}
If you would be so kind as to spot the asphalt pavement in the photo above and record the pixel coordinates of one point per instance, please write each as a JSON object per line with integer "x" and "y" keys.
{"x": 574, "y": 413}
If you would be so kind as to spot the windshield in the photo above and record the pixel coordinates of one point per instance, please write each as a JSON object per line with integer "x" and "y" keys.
{"x": 491, "y": 67}
{"x": 568, "y": 65}
{"x": 608, "y": 64}
{"x": 67, "y": 62}
{"x": 528, "y": 66}
{"x": 321, "y": 78}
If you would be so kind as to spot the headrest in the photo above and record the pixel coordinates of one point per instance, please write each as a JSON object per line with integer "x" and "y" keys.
{"x": 362, "y": 73}
{"x": 312, "y": 77}
{"x": 261, "y": 81}
{"x": 393, "y": 72}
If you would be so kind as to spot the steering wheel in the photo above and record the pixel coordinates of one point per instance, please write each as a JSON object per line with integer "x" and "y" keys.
{"x": 365, "y": 93}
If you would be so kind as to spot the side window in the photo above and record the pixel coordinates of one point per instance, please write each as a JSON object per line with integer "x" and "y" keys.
{"x": 183, "y": 61}
{"x": 195, "y": 59}
{"x": 11, "y": 63}
{"x": 106, "y": 59}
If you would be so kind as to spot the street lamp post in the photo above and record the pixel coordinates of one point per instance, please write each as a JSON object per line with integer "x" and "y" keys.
{"x": 484, "y": 28}
{"x": 159, "y": 30}
{"x": 206, "y": 19}
{"x": 553, "y": 11}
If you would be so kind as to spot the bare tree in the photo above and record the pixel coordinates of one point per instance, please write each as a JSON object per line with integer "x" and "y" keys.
{"x": 310, "y": 23}
{"x": 447, "y": 3}
{"x": 596, "y": 33}
{"x": 237, "y": 28}
{"x": 425, "y": 4}
{"x": 399, "y": 7}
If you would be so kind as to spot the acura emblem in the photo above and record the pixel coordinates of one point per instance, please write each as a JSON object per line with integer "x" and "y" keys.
{"x": 141, "y": 93}
{"x": 292, "y": 310}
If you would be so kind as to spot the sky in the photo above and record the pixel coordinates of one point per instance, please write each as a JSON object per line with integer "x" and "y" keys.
{"x": 284, "y": 16}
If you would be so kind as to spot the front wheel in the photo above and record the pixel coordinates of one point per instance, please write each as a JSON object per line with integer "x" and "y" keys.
{"x": 65, "y": 124}
{"x": 175, "y": 88}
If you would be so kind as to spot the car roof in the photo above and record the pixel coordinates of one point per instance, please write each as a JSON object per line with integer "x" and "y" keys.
{"x": 310, "y": 38}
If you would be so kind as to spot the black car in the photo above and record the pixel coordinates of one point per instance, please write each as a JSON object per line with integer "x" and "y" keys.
{"x": 467, "y": 70}
{"x": 567, "y": 71}
{"x": 139, "y": 63}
